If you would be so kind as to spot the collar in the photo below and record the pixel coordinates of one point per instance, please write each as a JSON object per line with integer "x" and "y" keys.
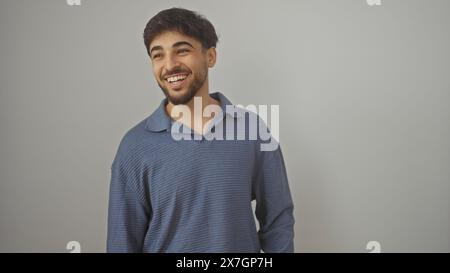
{"x": 159, "y": 121}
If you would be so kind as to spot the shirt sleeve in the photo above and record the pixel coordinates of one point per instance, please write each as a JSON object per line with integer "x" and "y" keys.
{"x": 274, "y": 206}
{"x": 129, "y": 211}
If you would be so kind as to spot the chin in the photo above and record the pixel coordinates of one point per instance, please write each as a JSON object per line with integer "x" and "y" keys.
{"x": 182, "y": 96}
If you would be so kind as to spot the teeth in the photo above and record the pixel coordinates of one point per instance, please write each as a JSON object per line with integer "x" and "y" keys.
{"x": 176, "y": 78}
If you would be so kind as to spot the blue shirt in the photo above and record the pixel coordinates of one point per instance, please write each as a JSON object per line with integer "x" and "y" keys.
{"x": 170, "y": 195}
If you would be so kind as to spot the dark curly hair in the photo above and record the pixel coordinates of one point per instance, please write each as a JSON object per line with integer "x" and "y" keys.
{"x": 184, "y": 21}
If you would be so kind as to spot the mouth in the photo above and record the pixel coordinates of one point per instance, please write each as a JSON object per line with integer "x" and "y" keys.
{"x": 177, "y": 81}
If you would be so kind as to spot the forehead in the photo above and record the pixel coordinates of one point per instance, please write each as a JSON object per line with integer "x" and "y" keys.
{"x": 168, "y": 38}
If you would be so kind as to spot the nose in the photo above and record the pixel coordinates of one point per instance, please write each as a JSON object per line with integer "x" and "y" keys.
{"x": 171, "y": 62}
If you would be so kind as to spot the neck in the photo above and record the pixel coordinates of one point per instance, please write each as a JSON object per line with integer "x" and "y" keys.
{"x": 198, "y": 122}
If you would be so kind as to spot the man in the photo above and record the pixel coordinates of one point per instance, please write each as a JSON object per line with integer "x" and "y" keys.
{"x": 171, "y": 194}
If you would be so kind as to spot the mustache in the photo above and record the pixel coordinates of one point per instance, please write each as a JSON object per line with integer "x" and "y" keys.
{"x": 176, "y": 70}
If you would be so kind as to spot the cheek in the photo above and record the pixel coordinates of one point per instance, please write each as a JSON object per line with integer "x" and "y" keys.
{"x": 156, "y": 73}
{"x": 201, "y": 69}
{"x": 198, "y": 67}
{"x": 194, "y": 62}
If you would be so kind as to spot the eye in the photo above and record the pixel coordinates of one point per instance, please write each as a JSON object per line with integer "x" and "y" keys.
{"x": 183, "y": 51}
{"x": 156, "y": 56}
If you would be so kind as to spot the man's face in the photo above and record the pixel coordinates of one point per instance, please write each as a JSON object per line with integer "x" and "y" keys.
{"x": 180, "y": 65}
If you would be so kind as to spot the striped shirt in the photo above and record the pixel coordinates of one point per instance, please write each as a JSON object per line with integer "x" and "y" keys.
{"x": 170, "y": 195}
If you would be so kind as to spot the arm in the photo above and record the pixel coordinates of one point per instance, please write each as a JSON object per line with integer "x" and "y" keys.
{"x": 129, "y": 212}
{"x": 274, "y": 206}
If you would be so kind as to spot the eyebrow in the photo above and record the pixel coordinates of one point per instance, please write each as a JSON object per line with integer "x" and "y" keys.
{"x": 182, "y": 43}
{"x": 177, "y": 44}
{"x": 155, "y": 48}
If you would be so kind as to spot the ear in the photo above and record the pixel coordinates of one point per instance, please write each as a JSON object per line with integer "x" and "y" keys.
{"x": 211, "y": 56}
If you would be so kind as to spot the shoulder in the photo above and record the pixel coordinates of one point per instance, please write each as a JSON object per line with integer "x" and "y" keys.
{"x": 134, "y": 141}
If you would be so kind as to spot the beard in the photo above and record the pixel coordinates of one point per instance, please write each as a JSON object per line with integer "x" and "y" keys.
{"x": 183, "y": 97}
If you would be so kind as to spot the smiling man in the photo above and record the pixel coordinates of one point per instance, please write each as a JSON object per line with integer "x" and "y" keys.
{"x": 170, "y": 195}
